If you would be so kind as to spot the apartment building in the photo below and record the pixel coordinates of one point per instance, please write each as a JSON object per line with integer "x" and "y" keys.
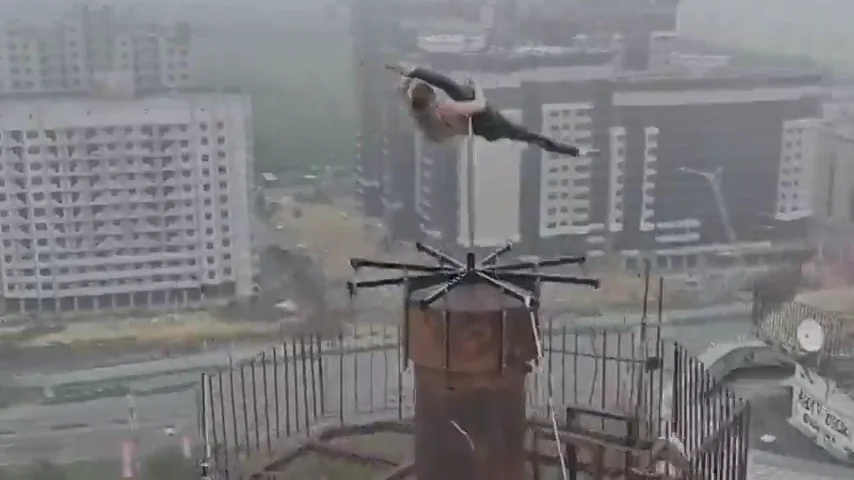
{"x": 440, "y": 173}
{"x": 135, "y": 202}
{"x": 383, "y": 30}
{"x": 75, "y": 53}
{"x": 652, "y": 130}
{"x": 832, "y": 188}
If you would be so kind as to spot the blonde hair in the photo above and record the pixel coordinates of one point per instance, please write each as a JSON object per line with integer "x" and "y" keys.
{"x": 421, "y": 96}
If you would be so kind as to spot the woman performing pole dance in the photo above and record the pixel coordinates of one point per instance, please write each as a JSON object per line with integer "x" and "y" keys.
{"x": 441, "y": 121}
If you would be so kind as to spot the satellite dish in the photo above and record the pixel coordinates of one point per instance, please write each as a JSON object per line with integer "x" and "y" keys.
{"x": 810, "y": 335}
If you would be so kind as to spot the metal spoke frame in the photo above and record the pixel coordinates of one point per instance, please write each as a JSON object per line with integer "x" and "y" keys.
{"x": 512, "y": 279}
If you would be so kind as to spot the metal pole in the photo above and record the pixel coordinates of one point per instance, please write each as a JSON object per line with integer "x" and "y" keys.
{"x": 134, "y": 427}
{"x": 470, "y": 185}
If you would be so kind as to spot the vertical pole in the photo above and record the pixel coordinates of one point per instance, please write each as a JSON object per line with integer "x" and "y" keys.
{"x": 341, "y": 377}
{"x": 255, "y": 419}
{"x": 371, "y": 366}
{"x": 243, "y": 398}
{"x": 658, "y": 353}
{"x": 276, "y": 391}
{"x": 205, "y": 422}
{"x": 305, "y": 377}
{"x": 266, "y": 399}
{"x": 322, "y": 385}
{"x": 639, "y": 400}
{"x": 225, "y": 445}
{"x": 213, "y": 438}
{"x": 134, "y": 460}
{"x": 401, "y": 364}
{"x": 287, "y": 388}
{"x": 234, "y": 430}
{"x": 470, "y": 185}
{"x": 313, "y": 374}
{"x": 296, "y": 384}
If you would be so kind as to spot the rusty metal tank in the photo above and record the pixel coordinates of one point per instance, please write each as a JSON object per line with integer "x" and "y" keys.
{"x": 471, "y": 352}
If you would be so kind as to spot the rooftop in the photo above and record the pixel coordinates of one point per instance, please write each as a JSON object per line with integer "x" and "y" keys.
{"x": 772, "y": 466}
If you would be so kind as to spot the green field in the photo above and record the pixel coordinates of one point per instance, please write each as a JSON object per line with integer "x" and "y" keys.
{"x": 298, "y": 75}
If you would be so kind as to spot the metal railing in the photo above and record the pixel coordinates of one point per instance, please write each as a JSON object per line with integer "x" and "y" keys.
{"x": 712, "y": 424}
{"x": 306, "y": 383}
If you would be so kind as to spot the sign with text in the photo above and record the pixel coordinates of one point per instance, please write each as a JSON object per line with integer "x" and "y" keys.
{"x": 814, "y": 414}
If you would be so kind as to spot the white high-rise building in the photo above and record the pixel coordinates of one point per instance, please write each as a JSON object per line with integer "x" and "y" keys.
{"x": 74, "y": 53}
{"x": 108, "y": 203}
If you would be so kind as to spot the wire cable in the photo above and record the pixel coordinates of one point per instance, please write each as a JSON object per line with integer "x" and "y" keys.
{"x": 550, "y": 394}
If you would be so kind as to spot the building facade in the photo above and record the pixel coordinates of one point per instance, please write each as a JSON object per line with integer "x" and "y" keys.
{"x": 833, "y": 186}
{"x": 384, "y": 30}
{"x": 642, "y": 191}
{"x": 88, "y": 48}
{"x": 124, "y": 203}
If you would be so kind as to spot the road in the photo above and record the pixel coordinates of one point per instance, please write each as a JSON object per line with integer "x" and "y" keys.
{"x": 96, "y": 428}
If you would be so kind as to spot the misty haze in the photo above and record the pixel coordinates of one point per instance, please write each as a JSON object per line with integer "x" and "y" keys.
{"x": 432, "y": 239}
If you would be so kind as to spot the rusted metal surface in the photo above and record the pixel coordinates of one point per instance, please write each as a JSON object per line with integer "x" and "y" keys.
{"x": 470, "y": 353}
{"x": 473, "y": 431}
{"x": 475, "y": 330}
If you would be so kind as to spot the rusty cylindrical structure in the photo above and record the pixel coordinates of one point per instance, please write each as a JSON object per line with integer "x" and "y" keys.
{"x": 471, "y": 352}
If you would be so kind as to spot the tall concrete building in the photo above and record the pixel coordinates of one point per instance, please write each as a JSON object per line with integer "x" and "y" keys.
{"x": 833, "y": 178}
{"x": 87, "y": 48}
{"x": 651, "y": 130}
{"x": 124, "y": 203}
{"x": 384, "y": 30}
{"x": 120, "y": 186}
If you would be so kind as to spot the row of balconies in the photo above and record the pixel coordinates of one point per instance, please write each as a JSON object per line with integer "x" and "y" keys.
{"x": 164, "y": 132}
{"x": 82, "y": 209}
{"x": 63, "y": 237}
{"x": 106, "y": 288}
{"x": 92, "y": 152}
{"x": 98, "y": 270}
{"x": 115, "y": 178}
{"x": 144, "y": 179}
{"x": 103, "y": 243}
{"x": 86, "y": 211}
{"x": 51, "y": 139}
{"x": 125, "y": 264}
{"x": 127, "y": 232}
{"x": 113, "y": 164}
{"x": 98, "y": 274}
{"x": 124, "y": 254}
